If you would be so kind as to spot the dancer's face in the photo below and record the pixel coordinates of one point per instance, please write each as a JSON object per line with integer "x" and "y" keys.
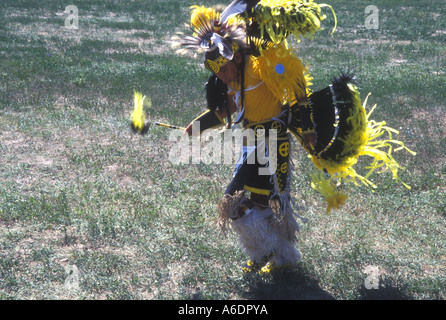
{"x": 229, "y": 72}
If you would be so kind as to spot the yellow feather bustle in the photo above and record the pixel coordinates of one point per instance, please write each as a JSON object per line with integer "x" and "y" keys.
{"x": 362, "y": 140}
{"x": 354, "y": 142}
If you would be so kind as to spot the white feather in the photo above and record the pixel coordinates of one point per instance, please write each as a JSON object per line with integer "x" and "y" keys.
{"x": 224, "y": 47}
{"x": 236, "y": 7}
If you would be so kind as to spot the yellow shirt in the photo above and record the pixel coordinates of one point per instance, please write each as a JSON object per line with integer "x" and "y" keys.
{"x": 260, "y": 103}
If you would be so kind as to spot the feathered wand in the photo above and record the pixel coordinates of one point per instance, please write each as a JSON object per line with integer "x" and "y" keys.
{"x": 138, "y": 117}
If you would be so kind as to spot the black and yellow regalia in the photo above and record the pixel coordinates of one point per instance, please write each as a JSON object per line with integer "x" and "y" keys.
{"x": 272, "y": 92}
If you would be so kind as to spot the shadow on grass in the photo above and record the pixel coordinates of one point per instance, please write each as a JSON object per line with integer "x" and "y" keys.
{"x": 387, "y": 290}
{"x": 392, "y": 293}
{"x": 284, "y": 285}
{"x": 296, "y": 285}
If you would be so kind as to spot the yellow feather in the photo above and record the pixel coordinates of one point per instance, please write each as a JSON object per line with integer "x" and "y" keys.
{"x": 335, "y": 199}
{"x": 138, "y": 115}
{"x": 201, "y": 15}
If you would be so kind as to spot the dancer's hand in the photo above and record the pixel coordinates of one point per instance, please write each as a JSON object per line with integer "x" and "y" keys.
{"x": 188, "y": 129}
{"x": 309, "y": 140}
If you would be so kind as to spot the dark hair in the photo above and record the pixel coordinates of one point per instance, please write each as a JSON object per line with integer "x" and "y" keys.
{"x": 212, "y": 55}
{"x": 241, "y": 69}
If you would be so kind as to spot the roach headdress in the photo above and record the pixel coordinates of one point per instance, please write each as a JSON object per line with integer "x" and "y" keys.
{"x": 216, "y": 34}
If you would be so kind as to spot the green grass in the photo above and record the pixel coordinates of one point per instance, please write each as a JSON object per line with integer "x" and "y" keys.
{"x": 78, "y": 188}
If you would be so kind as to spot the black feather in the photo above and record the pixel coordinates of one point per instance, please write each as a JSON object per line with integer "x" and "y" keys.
{"x": 143, "y": 131}
{"x": 345, "y": 77}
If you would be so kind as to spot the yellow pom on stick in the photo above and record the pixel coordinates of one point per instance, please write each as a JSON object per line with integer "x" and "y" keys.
{"x": 138, "y": 116}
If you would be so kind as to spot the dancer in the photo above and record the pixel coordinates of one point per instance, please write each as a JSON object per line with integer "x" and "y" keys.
{"x": 257, "y": 76}
{"x": 265, "y": 83}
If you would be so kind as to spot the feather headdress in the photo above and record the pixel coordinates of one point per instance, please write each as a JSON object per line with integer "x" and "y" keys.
{"x": 217, "y": 34}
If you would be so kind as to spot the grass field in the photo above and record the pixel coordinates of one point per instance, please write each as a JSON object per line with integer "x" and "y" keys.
{"x": 80, "y": 192}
